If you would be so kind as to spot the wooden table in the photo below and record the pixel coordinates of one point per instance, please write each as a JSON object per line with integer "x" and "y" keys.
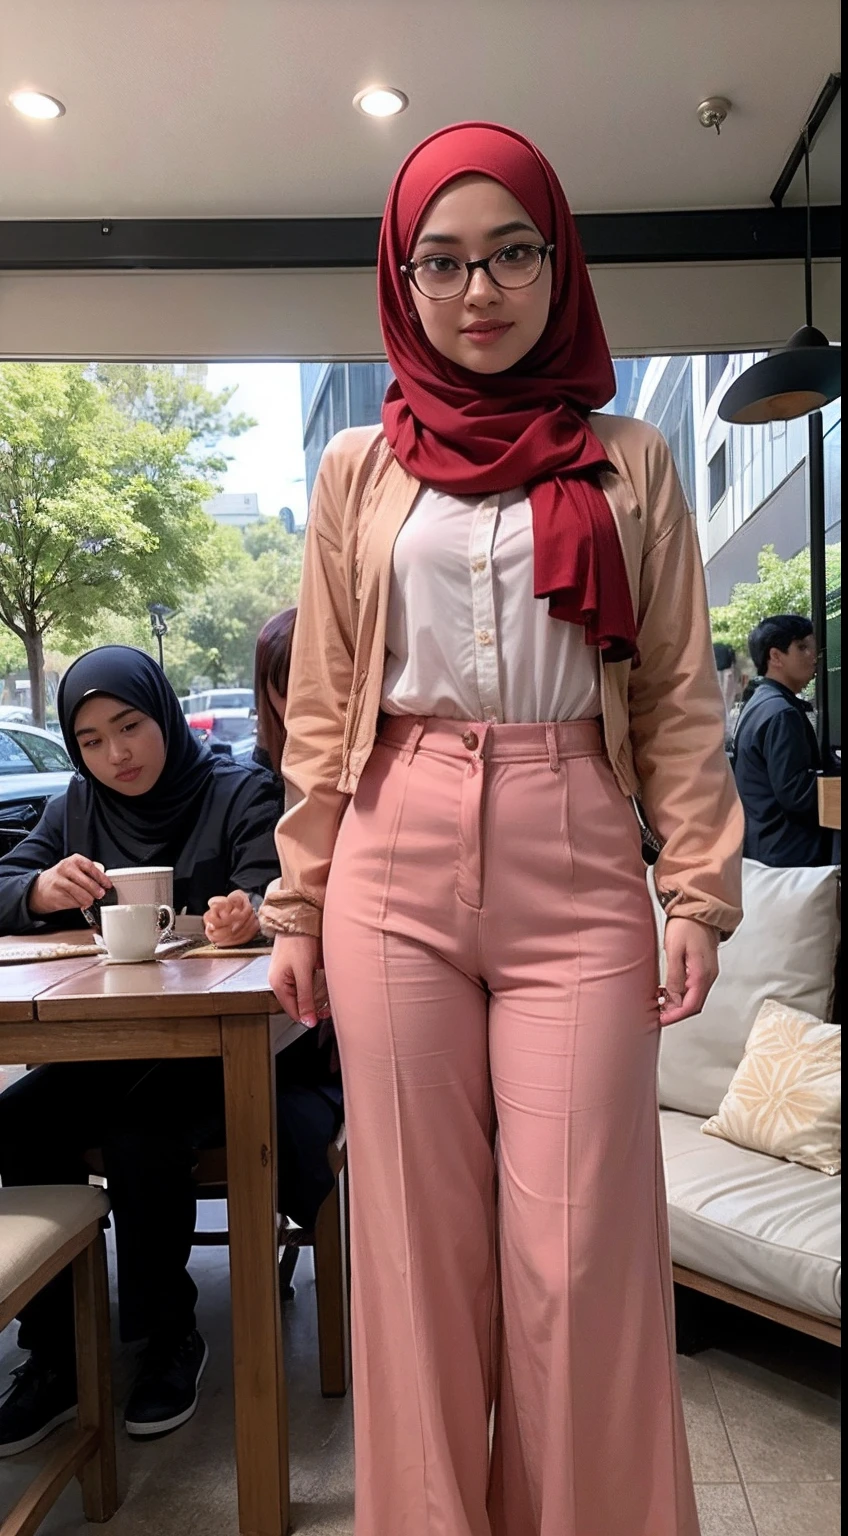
{"x": 85, "y": 1009}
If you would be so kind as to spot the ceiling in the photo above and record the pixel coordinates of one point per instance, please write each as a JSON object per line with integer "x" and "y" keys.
{"x": 226, "y": 108}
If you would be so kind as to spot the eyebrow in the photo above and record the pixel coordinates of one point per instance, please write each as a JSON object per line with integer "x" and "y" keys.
{"x": 86, "y": 730}
{"x": 515, "y": 227}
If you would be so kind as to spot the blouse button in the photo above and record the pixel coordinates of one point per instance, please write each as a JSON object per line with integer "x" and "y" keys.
{"x": 471, "y": 741}
{"x": 483, "y": 637}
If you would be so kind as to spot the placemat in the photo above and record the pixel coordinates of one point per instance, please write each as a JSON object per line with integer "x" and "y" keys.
{"x": 14, "y": 953}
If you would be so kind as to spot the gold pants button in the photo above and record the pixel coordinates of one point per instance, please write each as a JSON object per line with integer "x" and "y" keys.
{"x": 471, "y": 741}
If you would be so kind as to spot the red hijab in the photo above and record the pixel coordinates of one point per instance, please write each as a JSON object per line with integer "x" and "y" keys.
{"x": 473, "y": 434}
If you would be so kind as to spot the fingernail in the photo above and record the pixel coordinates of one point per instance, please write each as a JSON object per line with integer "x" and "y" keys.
{"x": 310, "y": 1021}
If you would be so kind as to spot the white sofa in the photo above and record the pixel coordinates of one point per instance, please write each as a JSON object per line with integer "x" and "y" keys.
{"x": 747, "y": 1228}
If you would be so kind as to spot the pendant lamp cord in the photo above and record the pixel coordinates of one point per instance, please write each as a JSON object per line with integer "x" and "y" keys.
{"x": 808, "y": 260}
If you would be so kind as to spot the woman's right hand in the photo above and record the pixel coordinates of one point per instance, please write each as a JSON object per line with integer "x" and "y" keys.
{"x": 73, "y": 882}
{"x": 296, "y": 979}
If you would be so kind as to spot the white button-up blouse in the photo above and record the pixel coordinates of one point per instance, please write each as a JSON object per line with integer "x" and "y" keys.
{"x": 466, "y": 638}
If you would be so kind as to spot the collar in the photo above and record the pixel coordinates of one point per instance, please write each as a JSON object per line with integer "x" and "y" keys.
{"x": 786, "y": 693}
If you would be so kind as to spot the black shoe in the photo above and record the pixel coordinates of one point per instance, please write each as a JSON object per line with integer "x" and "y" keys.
{"x": 38, "y": 1401}
{"x": 165, "y": 1391}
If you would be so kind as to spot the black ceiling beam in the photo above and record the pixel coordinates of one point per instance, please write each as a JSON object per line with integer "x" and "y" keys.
{"x": 733, "y": 234}
{"x": 807, "y": 138}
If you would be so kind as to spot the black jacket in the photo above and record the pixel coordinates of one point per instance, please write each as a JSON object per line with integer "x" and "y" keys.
{"x": 228, "y": 845}
{"x": 776, "y": 760}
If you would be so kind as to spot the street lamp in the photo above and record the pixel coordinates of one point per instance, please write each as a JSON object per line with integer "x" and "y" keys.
{"x": 158, "y": 615}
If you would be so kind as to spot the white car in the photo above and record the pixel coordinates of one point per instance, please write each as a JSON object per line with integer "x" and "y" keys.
{"x": 34, "y": 766}
{"x": 216, "y": 699}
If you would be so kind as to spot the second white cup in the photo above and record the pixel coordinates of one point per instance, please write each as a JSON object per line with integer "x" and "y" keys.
{"x": 132, "y": 934}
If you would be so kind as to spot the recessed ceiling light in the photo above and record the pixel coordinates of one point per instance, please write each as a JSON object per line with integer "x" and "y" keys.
{"x": 36, "y": 104}
{"x": 381, "y": 101}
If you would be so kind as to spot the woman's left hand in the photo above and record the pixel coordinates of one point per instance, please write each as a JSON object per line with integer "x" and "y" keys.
{"x": 691, "y": 953}
{"x": 230, "y": 920}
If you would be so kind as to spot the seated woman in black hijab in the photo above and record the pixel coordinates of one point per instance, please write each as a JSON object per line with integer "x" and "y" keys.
{"x": 146, "y": 792}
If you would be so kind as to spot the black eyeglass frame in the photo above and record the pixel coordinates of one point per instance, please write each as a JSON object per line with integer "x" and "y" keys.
{"x": 409, "y": 269}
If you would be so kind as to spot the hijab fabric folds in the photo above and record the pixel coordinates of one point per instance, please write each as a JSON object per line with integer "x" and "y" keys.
{"x": 474, "y": 434}
{"x": 145, "y": 828}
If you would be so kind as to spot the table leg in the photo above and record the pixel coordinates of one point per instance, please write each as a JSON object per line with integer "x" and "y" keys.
{"x": 262, "y": 1459}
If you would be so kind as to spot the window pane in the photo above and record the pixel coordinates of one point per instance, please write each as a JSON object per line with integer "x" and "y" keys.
{"x": 49, "y": 756}
{"x": 13, "y": 759}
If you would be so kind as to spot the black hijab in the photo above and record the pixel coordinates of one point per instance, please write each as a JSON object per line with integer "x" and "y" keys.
{"x": 147, "y": 828}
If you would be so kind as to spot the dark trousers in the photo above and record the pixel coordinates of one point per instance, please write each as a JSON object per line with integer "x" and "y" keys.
{"x": 149, "y": 1119}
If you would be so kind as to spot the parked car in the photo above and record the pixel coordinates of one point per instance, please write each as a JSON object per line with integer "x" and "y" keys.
{"x": 15, "y": 714}
{"x": 217, "y": 698}
{"x": 220, "y": 724}
{"x": 34, "y": 767}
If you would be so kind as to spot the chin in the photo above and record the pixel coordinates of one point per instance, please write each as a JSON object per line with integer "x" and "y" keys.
{"x": 495, "y": 361}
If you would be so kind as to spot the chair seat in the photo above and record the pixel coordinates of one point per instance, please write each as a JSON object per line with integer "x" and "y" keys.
{"x": 37, "y": 1221}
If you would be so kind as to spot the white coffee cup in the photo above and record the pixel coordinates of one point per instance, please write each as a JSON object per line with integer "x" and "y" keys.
{"x": 142, "y": 884}
{"x": 131, "y": 933}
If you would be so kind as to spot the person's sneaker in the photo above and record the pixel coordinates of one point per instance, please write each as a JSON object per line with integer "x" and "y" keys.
{"x": 38, "y": 1401}
{"x": 165, "y": 1392}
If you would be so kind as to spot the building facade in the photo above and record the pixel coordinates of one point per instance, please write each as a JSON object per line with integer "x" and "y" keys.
{"x": 748, "y": 486}
{"x": 234, "y": 509}
{"x": 334, "y": 396}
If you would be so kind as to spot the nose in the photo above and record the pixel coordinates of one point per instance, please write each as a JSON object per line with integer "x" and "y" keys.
{"x": 119, "y": 750}
{"x": 482, "y": 289}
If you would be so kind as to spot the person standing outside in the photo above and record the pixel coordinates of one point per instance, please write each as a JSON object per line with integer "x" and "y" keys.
{"x": 776, "y": 755}
{"x": 503, "y": 637}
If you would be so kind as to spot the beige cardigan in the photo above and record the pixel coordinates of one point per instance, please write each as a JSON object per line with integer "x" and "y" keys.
{"x": 664, "y": 721}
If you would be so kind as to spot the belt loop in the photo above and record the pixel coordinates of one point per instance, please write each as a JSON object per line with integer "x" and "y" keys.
{"x": 411, "y": 746}
{"x": 553, "y": 747}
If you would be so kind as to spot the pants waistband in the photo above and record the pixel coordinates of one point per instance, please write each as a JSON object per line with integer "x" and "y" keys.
{"x": 551, "y": 743}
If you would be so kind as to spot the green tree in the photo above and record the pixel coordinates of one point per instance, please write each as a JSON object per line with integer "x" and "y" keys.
{"x": 12, "y": 656}
{"x": 782, "y": 586}
{"x": 156, "y": 393}
{"x": 212, "y": 640}
{"x": 101, "y": 510}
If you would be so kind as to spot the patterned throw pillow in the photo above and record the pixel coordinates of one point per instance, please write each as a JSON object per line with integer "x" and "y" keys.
{"x": 786, "y": 1095}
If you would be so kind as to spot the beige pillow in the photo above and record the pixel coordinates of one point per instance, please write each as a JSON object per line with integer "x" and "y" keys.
{"x": 786, "y": 1095}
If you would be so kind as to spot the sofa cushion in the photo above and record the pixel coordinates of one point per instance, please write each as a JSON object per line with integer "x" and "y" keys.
{"x": 786, "y": 1096}
{"x": 784, "y": 948}
{"x": 765, "y": 1226}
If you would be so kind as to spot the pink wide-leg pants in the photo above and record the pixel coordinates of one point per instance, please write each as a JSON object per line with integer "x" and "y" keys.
{"x": 491, "y": 957}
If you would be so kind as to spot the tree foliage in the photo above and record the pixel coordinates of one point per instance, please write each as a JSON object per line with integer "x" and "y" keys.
{"x": 212, "y": 639}
{"x": 782, "y": 586}
{"x": 103, "y": 476}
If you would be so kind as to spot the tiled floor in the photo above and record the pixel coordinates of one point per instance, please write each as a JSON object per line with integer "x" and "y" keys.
{"x": 762, "y": 1409}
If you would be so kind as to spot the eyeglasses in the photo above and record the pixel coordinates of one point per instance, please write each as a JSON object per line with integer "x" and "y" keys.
{"x": 445, "y": 277}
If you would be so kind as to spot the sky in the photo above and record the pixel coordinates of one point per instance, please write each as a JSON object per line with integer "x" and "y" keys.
{"x": 269, "y": 458}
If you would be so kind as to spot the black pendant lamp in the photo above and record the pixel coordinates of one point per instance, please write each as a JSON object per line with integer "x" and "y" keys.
{"x": 802, "y": 376}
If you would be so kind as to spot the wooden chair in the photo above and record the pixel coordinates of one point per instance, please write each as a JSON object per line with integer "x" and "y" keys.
{"x": 330, "y": 1242}
{"x": 41, "y": 1230}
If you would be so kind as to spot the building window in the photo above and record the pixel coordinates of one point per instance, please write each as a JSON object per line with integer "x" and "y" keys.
{"x": 718, "y": 476}
{"x": 833, "y": 477}
{"x": 716, "y": 364}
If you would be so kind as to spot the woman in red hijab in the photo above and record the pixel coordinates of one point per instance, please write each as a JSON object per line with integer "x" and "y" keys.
{"x": 504, "y": 636}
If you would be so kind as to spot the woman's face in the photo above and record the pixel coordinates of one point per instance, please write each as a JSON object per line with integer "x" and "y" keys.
{"x": 120, "y": 746}
{"x": 488, "y": 328}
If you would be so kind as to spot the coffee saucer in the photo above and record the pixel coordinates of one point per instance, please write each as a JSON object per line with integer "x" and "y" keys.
{"x": 148, "y": 960}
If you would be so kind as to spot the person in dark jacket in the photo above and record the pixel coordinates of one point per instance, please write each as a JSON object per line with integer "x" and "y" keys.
{"x": 145, "y": 792}
{"x": 775, "y": 754}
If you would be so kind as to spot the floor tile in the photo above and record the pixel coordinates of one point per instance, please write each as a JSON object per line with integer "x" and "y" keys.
{"x": 709, "y": 1447}
{"x": 780, "y": 1431}
{"x": 796, "y": 1509}
{"x": 723, "y": 1511}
